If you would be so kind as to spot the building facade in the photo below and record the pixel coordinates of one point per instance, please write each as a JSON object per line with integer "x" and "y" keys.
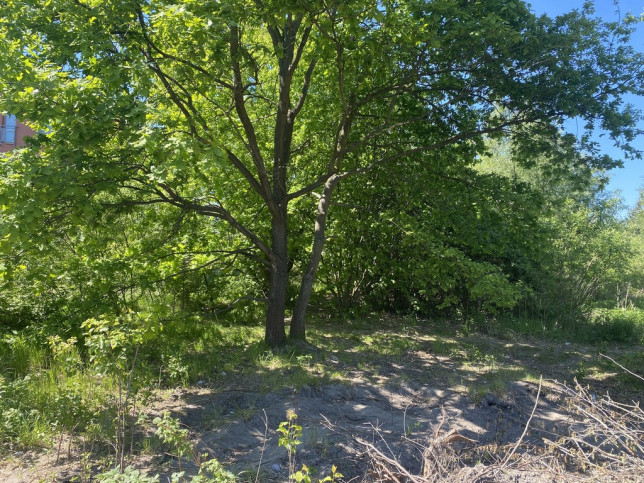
{"x": 12, "y": 132}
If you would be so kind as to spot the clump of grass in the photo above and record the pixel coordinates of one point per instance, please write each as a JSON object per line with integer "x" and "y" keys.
{"x": 50, "y": 385}
{"x": 616, "y": 326}
{"x": 43, "y": 390}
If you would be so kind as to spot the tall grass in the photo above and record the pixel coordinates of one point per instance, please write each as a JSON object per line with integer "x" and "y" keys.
{"x": 49, "y": 385}
{"x": 620, "y": 326}
{"x": 41, "y": 391}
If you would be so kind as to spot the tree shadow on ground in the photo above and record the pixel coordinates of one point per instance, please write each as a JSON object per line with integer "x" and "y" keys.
{"x": 390, "y": 386}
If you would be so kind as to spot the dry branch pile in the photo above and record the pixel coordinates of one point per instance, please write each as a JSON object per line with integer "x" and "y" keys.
{"x": 607, "y": 439}
{"x": 605, "y": 442}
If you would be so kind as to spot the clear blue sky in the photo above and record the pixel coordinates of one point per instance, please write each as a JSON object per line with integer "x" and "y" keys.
{"x": 629, "y": 179}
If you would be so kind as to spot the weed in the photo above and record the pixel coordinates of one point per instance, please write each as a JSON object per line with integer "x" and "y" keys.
{"x": 170, "y": 432}
{"x": 291, "y": 434}
{"x": 581, "y": 371}
{"x": 490, "y": 361}
{"x": 175, "y": 369}
{"x": 496, "y": 383}
{"x": 476, "y": 393}
{"x": 412, "y": 427}
{"x": 318, "y": 440}
{"x": 113, "y": 345}
{"x": 291, "y": 438}
{"x": 128, "y": 475}
{"x": 440, "y": 347}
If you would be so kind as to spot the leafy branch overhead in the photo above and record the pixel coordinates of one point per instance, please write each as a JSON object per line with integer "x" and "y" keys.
{"x": 236, "y": 110}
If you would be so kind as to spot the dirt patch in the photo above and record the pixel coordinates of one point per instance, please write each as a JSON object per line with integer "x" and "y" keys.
{"x": 336, "y": 417}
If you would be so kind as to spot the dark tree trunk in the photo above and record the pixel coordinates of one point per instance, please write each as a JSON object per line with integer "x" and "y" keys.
{"x": 275, "y": 333}
{"x": 298, "y": 323}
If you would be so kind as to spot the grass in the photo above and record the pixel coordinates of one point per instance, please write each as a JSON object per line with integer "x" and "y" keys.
{"x": 601, "y": 326}
{"x": 44, "y": 392}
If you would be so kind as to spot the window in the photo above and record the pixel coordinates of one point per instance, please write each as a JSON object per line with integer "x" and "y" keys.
{"x": 8, "y": 129}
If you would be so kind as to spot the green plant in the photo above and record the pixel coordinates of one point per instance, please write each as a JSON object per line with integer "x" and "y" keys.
{"x": 318, "y": 440}
{"x": 42, "y": 389}
{"x": 175, "y": 369}
{"x": 335, "y": 474}
{"x": 290, "y": 438}
{"x": 126, "y": 475}
{"x": 301, "y": 476}
{"x": 616, "y": 325}
{"x": 171, "y": 432}
{"x": 490, "y": 361}
{"x": 210, "y": 469}
{"x": 113, "y": 345}
{"x": 581, "y": 371}
{"x": 412, "y": 427}
{"x": 86, "y": 467}
{"x": 304, "y": 475}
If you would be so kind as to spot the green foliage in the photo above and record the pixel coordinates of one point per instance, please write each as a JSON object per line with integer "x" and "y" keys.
{"x": 210, "y": 470}
{"x": 178, "y": 146}
{"x": 290, "y": 437}
{"x": 579, "y": 255}
{"x": 291, "y": 433}
{"x": 589, "y": 257}
{"x": 603, "y": 325}
{"x": 616, "y": 326}
{"x": 44, "y": 389}
{"x": 632, "y": 293}
{"x": 128, "y": 475}
{"x": 414, "y": 251}
{"x": 113, "y": 342}
{"x": 51, "y": 385}
{"x": 170, "y": 431}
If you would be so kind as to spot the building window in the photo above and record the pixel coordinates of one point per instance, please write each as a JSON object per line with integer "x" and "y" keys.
{"x": 8, "y": 129}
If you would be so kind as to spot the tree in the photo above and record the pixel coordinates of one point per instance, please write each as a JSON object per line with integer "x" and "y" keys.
{"x": 243, "y": 111}
{"x": 451, "y": 238}
{"x": 635, "y": 232}
{"x": 582, "y": 252}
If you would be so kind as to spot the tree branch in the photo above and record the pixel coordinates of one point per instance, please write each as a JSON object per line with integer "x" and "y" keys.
{"x": 166, "y": 55}
{"x": 249, "y": 130}
{"x": 305, "y": 89}
{"x": 216, "y": 211}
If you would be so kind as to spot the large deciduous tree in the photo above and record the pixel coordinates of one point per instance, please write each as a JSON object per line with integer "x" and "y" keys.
{"x": 240, "y": 110}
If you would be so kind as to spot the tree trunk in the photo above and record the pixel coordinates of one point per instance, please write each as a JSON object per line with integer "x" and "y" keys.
{"x": 275, "y": 333}
{"x": 298, "y": 323}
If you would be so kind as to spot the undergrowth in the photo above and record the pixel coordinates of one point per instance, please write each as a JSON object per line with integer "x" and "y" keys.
{"x": 601, "y": 326}
{"x": 51, "y": 385}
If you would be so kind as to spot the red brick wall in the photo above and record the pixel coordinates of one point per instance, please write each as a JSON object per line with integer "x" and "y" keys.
{"x": 22, "y": 131}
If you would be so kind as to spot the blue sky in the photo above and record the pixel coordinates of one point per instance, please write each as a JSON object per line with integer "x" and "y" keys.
{"x": 629, "y": 179}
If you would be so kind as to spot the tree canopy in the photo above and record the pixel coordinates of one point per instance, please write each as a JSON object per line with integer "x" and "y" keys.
{"x": 248, "y": 115}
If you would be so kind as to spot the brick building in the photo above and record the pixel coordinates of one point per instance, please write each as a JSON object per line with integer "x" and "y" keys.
{"x": 12, "y": 132}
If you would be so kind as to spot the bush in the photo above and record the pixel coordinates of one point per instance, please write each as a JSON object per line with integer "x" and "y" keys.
{"x": 617, "y": 325}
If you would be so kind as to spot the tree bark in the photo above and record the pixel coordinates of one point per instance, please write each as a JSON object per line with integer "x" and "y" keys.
{"x": 275, "y": 333}
{"x": 283, "y": 41}
{"x": 298, "y": 322}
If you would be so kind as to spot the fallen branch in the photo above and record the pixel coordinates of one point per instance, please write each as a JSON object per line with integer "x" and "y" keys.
{"x": 622, "y": 367}
{"x": 609, "y": 438}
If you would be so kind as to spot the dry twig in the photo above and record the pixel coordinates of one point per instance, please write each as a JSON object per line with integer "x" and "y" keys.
{"x": 609, "y": 437}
